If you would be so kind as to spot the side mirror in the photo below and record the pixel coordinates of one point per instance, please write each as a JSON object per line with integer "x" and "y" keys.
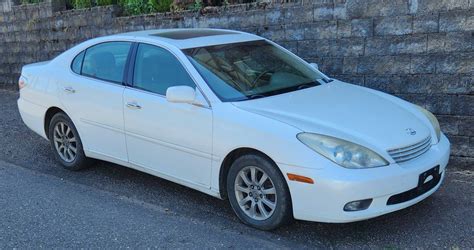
{"x": 181, "y": 94}
{"x": 314, "y": 65}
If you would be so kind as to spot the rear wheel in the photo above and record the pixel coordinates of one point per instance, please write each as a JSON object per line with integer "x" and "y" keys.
{"x": 66, "y": 144}
{"x": 258, "y": 193}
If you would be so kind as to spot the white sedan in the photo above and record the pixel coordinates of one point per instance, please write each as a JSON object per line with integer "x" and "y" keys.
{"x": 237, "y": 117}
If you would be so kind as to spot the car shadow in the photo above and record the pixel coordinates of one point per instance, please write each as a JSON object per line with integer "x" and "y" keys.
{"x": 188, "y": 202}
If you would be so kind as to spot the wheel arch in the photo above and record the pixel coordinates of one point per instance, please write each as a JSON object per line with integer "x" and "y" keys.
{"x": 230, "y": 158}
{"x": 48, "y": 116}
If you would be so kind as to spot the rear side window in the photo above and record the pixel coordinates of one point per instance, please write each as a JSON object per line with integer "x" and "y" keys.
{"x": 77, "y": 63}
{"x": 156, "y": 69}
{"x": 106, "y": 61}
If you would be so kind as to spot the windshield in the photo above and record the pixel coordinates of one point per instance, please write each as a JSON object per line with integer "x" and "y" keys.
{"x": 249, "y": 70}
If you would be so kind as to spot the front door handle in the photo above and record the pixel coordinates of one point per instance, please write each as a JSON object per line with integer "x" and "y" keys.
{"x": 133, "y": 105}
{"x": 69, "y": 90}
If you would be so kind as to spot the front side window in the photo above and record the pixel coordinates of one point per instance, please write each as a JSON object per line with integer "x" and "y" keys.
{"x": 248, "y": 70}
{"x": 106, "y": 61}
{"x": 156, "y": 69}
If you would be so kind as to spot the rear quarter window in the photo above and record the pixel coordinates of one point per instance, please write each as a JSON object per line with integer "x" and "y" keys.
{"x": 76, "y": 64}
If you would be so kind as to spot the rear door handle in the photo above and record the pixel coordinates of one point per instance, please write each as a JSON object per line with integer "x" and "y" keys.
{"x": 69, "y": 90}
{"x": 133, "y": 105}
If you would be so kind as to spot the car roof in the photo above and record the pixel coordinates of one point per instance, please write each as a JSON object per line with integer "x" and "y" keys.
{"x": 191, "y": 38}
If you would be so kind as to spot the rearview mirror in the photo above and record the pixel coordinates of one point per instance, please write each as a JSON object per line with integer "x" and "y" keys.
{"x": 314, "y": 65}
{"x": 181, "y": 94}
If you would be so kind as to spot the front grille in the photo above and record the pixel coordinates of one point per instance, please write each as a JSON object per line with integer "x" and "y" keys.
{"x": 409, "y": 152}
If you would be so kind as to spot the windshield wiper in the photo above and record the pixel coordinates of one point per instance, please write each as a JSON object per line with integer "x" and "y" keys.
{"x": 306, "y": 85}
{"x": 280, "y": 91}
{"x": 328, "y": 80}
{"x": 255, "y": 96}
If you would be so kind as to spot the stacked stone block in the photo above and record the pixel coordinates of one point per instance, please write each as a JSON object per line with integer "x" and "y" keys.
{"x": 419, "y": 50}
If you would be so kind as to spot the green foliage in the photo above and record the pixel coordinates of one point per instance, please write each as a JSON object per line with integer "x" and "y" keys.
{"x": 69, "y": 4}
{"x": 30, "y": 1}
{"x": 135, "y": 7}
{"x": 105, "y": 2}
{"x": 197, "y": 5}
{"x": 81, "y": 4}
{"x": 138, "y": 7}
{"x": 160, "y": 5}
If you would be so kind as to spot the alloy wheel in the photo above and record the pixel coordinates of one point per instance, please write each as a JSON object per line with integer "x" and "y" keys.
{"x": 65, "y": 142}
{"x": 255, "y": 193}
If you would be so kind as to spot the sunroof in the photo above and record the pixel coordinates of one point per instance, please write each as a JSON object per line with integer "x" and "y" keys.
{"x": 187, "y": 34}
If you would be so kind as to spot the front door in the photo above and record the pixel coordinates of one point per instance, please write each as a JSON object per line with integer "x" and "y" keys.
{"x": 173, "y": 139}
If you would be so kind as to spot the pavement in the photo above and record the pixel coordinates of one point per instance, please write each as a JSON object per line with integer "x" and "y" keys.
{"x": 109, "y": 206}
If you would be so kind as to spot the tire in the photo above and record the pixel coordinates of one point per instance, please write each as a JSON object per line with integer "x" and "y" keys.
{"x": 249, "y": 210}
{"x": 63, "y": 132}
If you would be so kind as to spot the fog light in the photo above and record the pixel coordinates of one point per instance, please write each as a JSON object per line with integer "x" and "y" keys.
{"x": 357, "y": 205}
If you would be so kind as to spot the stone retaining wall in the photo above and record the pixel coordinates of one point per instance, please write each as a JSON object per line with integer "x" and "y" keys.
{"x": 420, "y": 50}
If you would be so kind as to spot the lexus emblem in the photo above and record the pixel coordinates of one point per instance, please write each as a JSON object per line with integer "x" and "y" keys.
{"x": 410, "y": 131}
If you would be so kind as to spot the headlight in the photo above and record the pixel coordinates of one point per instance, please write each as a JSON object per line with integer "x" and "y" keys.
{"x": 434, "y": 122}
{"x": 344, "y": 153}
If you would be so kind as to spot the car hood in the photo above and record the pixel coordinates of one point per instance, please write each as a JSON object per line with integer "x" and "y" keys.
{"x": 345, "y": 111}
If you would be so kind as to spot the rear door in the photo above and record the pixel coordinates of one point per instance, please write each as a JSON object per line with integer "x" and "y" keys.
{"x": 93, "y": 96}
{"x": 172, "y": 139}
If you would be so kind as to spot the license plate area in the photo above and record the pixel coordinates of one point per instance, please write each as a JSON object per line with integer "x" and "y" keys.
{"x": 428, "y": 178}
{"x": 426, "y": 181}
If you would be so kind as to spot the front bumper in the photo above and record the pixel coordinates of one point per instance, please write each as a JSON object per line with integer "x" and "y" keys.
{"x": 335, "y": 186}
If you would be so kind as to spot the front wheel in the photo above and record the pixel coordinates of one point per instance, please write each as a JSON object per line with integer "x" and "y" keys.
{"x": 66, "y": 143}
{"x": 258, "y": 193}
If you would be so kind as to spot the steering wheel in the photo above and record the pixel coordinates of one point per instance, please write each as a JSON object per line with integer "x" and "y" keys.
{"x": 255, "y": 81}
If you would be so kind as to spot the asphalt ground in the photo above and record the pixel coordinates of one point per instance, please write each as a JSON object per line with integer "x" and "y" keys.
{"x": 109, "y": 206}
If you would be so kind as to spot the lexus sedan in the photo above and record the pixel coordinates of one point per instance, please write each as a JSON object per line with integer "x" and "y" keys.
{"x": 238, "y": 117}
